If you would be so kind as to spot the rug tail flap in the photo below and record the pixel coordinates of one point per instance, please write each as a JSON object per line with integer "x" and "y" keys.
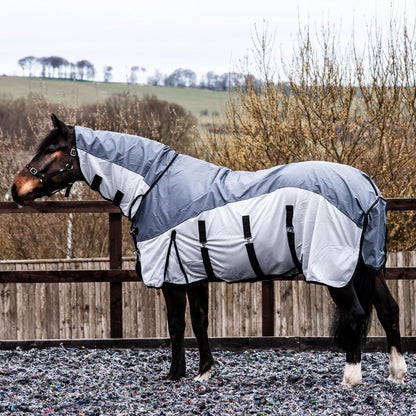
{"x": 374, "y": 239}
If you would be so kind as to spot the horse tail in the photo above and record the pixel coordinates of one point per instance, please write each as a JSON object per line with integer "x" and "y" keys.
{"x": 364, "y": 285}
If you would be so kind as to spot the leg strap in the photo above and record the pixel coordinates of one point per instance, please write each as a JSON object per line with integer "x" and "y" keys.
{"x": 173, "y": 244}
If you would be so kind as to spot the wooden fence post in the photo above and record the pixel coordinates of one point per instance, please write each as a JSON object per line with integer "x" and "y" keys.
{"x": 116, "y": 288}
{"x": 267, "y": 308}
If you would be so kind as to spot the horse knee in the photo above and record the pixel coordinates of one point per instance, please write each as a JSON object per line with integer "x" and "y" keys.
{"x": 390, "y": 316}
{"x": 350, "y": 328}
{"x": 176, "y": 327}
{"x": 199, "y": 321}
{"x": 358, "y": 319}
{"x": 353, "y": 320}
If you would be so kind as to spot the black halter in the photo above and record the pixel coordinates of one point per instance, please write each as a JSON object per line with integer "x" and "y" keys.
{"x": 69, "y": 166}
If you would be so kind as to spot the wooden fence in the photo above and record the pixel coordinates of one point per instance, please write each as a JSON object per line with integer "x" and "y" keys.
{"x": 102, "y": 298}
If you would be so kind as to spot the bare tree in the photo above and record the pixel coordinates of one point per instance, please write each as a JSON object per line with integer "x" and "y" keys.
{"x": 156, "y": 78}
{"x": 181, "y": 78}
{"x": 86, "y": 70}
{"x": 57, "y": 63}
{"x": 45, "y": 64}
{"x": 107, "y": 73}
{"x": 27, "y": 63}
{"x": 336, "y": 106}
{"x": 143, "y": 71}
{"x": 133, "y": 74}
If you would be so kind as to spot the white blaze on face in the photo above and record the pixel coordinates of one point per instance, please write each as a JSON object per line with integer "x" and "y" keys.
{"x": 397, "y": 366}
{"x": 352, "y": 375}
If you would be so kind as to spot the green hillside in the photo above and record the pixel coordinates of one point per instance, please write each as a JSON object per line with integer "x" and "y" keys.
{"x": 85, "y": 92}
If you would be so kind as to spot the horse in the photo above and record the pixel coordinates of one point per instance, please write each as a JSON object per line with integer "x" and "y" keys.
{"x": 193, "y": 222}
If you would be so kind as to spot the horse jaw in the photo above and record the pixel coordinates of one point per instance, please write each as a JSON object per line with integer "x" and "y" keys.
{"x": 352, "y": 375}
{"x": 398, "y": 367}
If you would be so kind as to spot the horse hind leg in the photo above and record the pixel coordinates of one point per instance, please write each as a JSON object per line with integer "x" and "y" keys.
{"x": 349, "y": 331}
{"x": 198, "y": 296}
{"x": 388, "y": 315}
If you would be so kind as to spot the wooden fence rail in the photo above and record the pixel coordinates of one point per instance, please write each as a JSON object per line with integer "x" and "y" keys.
{"x": 116, "y": 274}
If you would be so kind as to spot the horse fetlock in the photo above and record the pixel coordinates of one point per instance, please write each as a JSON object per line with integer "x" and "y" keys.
{"x": 352, "y": 374}
{"x": 397, "y": 365}
{"x": 176, "y": 374}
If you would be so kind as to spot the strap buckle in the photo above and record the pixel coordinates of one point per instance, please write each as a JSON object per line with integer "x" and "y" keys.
{"x": 33, "y": 170}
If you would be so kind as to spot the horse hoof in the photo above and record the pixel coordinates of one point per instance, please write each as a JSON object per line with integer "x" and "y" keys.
{"x": 205, "y": 375}
{"x": 350, "y": 384}
{"x": 175, "y": 377}
{"x": 352, "y": 375}
{"x": 397, "y": 380}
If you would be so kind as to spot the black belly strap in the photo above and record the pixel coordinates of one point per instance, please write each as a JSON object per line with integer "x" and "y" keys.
{"x": 117, "y": 198}
{"x": 251, "y": 252}
{"x": 204, "y": 250}
{"x": 96, "y": 182}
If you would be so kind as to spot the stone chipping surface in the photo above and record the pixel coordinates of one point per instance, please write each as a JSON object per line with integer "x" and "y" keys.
{"x": 70, "y": 381}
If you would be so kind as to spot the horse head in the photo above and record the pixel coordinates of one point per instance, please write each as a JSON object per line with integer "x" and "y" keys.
{"x": 55, "y": 166}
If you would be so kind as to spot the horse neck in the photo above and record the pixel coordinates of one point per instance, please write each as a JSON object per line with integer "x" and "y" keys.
{"x": 121, "y": 167}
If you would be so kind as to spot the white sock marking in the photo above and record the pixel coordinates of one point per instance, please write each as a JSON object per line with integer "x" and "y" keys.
{"x": 352, "y": 374}
{"x": 397, "y": 366}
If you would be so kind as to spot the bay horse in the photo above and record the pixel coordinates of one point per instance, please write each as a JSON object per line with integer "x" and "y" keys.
{"x": 194, "y": 222}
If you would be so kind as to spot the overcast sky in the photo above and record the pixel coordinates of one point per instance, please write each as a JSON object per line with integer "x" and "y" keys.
{"x": 199, "y": 35}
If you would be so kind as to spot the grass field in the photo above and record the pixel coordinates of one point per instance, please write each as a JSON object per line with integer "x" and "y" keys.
{"x": 85, "y": 92}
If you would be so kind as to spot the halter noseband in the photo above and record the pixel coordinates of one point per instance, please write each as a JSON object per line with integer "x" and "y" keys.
{"x": 69, "y": 166}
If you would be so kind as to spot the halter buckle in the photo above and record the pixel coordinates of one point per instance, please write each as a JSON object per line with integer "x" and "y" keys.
{"x": 33, "y": 170}
{"x": 73, "y": 152}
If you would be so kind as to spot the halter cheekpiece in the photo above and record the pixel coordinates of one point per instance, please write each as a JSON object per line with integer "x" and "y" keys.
{"x": 69, "y": 166}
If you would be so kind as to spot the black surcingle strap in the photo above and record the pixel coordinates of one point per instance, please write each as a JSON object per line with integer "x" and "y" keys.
{"x": 117, "y": 198}
{"x": 251, "y": 252}
{"x": 204, "y": 250}
{"x": 96, "y": 182}
{"x": 290, "y": 231}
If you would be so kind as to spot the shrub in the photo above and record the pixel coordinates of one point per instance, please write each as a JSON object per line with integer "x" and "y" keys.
{"x": 336, "y": 106}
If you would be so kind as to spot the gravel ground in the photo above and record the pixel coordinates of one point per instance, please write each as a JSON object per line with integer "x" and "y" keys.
{"x": 69, "y": 381}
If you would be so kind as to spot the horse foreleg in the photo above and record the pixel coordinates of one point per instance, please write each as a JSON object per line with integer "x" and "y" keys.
{"x": 349, "y": 331}
{"x": 175, "y": 298}
{"x": 388, "y": 314}
{"x": 198, "y": 295}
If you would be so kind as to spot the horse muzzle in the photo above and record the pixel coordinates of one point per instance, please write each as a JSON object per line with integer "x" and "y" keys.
{"x": 25, "y": 190}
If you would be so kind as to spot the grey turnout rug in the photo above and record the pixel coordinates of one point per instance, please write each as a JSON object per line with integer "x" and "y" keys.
{"x": 193, "y": 220}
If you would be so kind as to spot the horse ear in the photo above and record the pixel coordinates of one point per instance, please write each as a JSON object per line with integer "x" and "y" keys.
{"x": 57, "y": 123}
